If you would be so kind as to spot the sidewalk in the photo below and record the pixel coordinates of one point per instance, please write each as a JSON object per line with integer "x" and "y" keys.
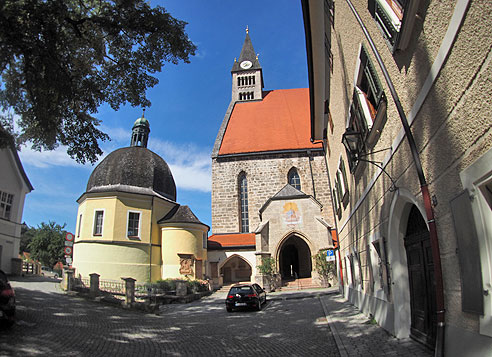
{"x": 355, "y": 335}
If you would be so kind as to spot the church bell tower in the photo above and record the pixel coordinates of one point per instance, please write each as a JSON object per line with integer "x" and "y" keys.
{"x": 247, "y": 75}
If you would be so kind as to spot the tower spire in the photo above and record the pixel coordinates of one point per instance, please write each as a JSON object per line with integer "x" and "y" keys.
{"x": 140, "y": 131}
{"x": 247, "y": 75}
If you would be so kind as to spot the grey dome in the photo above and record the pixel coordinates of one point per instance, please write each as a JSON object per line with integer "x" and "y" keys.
{"x": 133, "y": 169}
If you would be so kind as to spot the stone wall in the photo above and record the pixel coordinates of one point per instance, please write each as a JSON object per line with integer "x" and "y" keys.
{"x": 266, "y": 175}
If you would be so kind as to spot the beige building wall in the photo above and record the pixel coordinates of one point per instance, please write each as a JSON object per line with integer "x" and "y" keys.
{"x": 266, "y": 175}
{"x": 443, "y": 80}
{"x": 11, "y": 182}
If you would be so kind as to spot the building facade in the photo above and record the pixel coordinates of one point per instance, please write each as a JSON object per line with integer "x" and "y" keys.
{"x": 14, "y": 185}
{"x": 399, "y": 92}
{"x": 270, "y": 195}
{"x": 129, "y": 223}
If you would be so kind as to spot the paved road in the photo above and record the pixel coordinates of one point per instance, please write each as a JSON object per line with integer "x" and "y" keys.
{"x": 52, "y": 323}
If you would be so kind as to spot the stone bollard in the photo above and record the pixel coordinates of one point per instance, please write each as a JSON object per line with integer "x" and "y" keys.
{"x": 16, "y": 264}
{"x": 181, "y": 288}
{"x": 129, "y": 291}
{"x": 68, "y": 274}
{"x": 94, "y": 284}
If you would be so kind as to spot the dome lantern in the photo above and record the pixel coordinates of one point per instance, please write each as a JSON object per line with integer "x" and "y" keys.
{"x": 140, "y": 132}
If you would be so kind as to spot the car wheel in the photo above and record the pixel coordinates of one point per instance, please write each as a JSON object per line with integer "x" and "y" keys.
{"x": 56, "y": 276}
{"x": 229, "y": 309}
{"x": 258, "y": 307}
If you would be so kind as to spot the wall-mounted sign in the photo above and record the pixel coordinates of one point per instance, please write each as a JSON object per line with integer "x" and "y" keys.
{"x": 330, "y": 255}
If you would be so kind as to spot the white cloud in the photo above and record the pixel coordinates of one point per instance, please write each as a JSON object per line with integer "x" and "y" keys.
{"x": 116, "y": 134}
{"x": 190, "y": 165}
{"x": 44, "y": 159}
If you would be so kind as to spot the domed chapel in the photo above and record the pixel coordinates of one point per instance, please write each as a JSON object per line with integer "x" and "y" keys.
{"x": 129, "y": 223}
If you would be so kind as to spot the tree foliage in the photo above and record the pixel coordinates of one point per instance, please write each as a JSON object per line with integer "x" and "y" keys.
{"x": 325, "y": 269}
{"x": 47, "y": 243}
{"x": 267, "y": 266}
{"x": 61, "y": 59}
{"x": 26, "y": 237}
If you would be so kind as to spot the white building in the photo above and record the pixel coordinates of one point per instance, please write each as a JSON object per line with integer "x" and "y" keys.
{"x": 14, "y": 185}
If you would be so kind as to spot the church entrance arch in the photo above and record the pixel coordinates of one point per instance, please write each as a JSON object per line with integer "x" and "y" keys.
{"x": 295, "y": 258}
{"x": 421, "y": 279}
{"x": 236, "y": 269}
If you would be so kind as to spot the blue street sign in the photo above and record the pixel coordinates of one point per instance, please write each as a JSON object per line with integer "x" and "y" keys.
{"x": 330, "y": 255}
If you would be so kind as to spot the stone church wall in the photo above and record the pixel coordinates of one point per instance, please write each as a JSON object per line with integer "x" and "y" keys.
{"x": 266, "y": 175}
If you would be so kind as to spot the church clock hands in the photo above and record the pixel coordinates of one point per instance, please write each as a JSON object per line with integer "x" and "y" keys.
{"x": 246, "y": 64}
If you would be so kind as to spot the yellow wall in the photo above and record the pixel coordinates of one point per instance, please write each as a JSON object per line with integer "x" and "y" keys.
{"x": 115, "y": 260}
{"x": 112, "y": 261}
{"x": 181, "y": 239}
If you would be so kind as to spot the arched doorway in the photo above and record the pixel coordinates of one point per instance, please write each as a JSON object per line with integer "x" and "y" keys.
{"x": 236, "y": 269}
{"x": 295, "y": 259}
{"x": 421, "y": 279}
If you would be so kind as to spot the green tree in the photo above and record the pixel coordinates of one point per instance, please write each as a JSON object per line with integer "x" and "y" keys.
{"x": 61, "y": 59}
{"x": 267, "y": 266}
{"x": 325, "y": 269}
{"x": 26, "y": 237}
{"x": 47, "y": 243}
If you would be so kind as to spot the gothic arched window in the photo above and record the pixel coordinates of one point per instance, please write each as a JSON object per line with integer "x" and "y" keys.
{"x": 243, "y": 203}
{"x": 294, "y": 179}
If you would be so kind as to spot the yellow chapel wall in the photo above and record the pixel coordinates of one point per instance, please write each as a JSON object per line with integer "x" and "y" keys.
{"x": 182, "y": 238}
{"x": 113, "y": 255}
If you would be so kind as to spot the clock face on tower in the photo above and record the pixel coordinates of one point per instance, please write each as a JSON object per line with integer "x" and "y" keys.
{"x": 246, "y": 64}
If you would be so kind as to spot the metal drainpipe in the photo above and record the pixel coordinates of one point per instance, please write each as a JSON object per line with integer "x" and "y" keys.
{"x": 436, "y": 255}
{"x": 311, "y": 169}
{"x": 150, "y": 243}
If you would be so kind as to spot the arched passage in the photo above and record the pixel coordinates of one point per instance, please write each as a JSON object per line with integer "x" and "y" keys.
{"x": 236, "y": 269}
{"x": 421, "y": 279}
{"x": 295, "y": 258}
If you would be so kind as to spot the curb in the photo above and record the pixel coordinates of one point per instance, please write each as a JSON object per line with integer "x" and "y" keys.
{"x": 334, "y": 331}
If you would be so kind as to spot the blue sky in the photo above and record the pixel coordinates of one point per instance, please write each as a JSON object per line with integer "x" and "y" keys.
{"x": 188, "y": 104}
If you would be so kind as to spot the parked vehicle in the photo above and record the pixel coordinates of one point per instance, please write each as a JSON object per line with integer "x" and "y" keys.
{"x": 45, "y": 271}
{"x": 245, "y": 296}
{"x": 7, "y": 300}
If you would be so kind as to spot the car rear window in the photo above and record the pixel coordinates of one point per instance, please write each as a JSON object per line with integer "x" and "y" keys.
{"x": 241, "y": 289}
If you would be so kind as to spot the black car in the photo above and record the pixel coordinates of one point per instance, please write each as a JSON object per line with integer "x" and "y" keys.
{"x": 245, "y": 295}
{"x": 7, "y": 300}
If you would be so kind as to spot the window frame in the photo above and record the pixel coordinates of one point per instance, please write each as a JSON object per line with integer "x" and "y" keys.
{"x": 243, "y": 201}
{"x": 6, "y": 205}
{"x": 293, "y": 171}
{"x": 367, "y": 111}
{"x": 128, "y": 224}
{"x": 205, "y": 240}
{"x": 94, "y": 225}
{"x": 79, "y": 228}
{"x": 395, "y": 30}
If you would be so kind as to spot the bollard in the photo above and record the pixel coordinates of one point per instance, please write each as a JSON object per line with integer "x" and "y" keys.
{"x": 68, "y": 278}
{"x": 129, "y": 291}
{"x": 181, "y": 289}
{"x": 94, "y": 284}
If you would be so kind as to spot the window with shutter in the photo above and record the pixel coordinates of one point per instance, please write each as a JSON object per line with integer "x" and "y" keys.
{"x": 367, "y": 112}
{"x": 395, "y": 19}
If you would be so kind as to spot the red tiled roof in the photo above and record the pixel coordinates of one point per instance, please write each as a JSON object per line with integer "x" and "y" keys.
{"x": 231, "y": 240}
{"x": 281, "y": 121}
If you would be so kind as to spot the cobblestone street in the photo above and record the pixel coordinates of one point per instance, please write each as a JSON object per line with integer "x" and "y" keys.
{"x": 49, "y": 322}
